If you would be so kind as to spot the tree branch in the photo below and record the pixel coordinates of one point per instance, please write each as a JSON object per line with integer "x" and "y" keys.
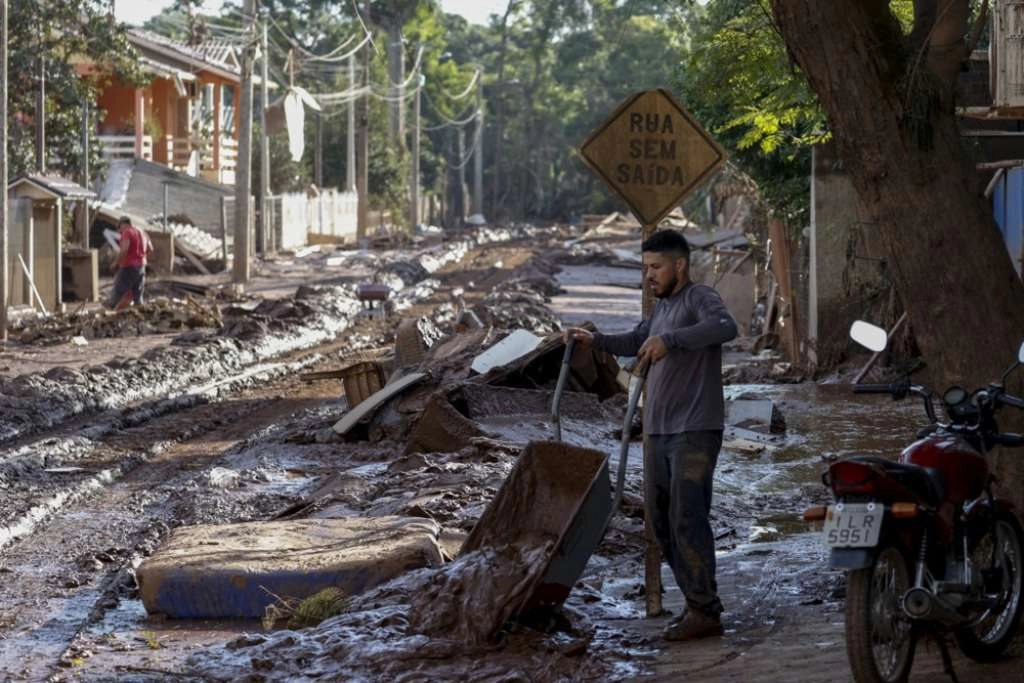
{"x": 925, "y": 12}
{"x": 979, "y": 28}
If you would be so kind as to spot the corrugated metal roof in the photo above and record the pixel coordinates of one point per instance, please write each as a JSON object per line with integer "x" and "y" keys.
{"x": 55, "y": 185}
{"x": 217, "y": 55}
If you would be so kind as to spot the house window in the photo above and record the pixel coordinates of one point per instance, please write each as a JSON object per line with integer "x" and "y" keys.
{"x": 202, "y": 116}
{"x": 227, "y": 111}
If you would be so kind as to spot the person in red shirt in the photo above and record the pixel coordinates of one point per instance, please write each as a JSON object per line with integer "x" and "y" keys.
{"x": 130, "y": 280}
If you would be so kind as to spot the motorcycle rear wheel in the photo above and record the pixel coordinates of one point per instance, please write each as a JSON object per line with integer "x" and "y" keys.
{"x": 987, "y": 640}
{"x": 880, "y": 638}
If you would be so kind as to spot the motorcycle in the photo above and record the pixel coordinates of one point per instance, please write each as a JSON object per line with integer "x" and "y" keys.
{"x": 928, "y": 549}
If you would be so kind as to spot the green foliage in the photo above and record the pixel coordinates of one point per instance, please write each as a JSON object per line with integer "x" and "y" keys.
{"x": 63, "y": 34}
{"x": 738, "y": 80}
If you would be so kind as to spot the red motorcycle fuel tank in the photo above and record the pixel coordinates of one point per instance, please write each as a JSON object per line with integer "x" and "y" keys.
{"x": 964, "y": 470}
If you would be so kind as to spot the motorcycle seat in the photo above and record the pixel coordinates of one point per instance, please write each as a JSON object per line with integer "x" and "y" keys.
{"x": 926, "y": 482}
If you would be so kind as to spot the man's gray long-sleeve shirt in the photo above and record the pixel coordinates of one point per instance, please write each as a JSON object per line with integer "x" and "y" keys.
{"x": 684, "y": 389}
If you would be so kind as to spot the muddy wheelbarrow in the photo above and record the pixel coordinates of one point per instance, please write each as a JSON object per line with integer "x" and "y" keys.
{"x": 561, "y": 495}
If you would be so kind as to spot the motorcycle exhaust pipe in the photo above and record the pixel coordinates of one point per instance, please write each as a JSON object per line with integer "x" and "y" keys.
{"x": 922, "y": 604}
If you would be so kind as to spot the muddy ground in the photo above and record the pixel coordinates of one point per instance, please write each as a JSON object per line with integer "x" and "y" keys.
{"x": 91, "y": 491}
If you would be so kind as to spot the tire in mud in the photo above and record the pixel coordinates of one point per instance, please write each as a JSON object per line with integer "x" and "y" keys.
{"x": 880, "y": 639}
{"x": 986, "y": 641}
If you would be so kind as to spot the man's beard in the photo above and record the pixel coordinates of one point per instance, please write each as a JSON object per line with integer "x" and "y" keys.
{"x": 669, "y": 288}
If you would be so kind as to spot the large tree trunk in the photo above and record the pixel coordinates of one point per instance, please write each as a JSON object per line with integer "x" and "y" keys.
{"x": 905, "y": 157}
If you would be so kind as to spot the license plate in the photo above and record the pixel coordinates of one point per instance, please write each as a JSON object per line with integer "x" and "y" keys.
{"x": 853, "y": 525}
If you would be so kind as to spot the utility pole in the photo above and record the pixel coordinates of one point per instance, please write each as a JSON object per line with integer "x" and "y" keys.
{"x": 41, "y": 117}
{"x": 83, "y": 216}
{"x": 318, "y": 152}
{"x": 414, "y": 214}
{"x": 4, "y": 266}
{"x": 462, "y": 175}
{"x": 264, "y": 239}
{"x": 478, "y": 154}
{"x": 363, "y": 144}
{"x": 243, "y": 171}
{"x": 350, "y": 133}
{"x": 396, "y": 72}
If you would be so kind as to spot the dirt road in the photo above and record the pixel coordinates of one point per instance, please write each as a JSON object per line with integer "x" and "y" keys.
{"x": 258, "y": 444}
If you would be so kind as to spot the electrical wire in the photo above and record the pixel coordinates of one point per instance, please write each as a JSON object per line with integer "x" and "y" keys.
{"x": 465, "y": 93}
{"x": 359, "y": 16}
{"x": 332, "y": 56}
{"x": 469, "y": 154}
{"x": 450, "y": 122}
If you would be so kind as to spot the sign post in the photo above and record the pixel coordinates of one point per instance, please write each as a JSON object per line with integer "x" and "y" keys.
{"x": 651, "y": 153}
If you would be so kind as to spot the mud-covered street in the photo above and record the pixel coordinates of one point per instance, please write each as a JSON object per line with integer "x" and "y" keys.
{"x": 92, "y": 488}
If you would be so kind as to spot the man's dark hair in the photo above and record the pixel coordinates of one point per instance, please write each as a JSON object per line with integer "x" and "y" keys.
{"x": 122, "y": 220}
{"x": 667, "y": 241}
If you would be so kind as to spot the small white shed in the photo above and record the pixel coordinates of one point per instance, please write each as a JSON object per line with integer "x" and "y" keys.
{"x": 41, "y": 237}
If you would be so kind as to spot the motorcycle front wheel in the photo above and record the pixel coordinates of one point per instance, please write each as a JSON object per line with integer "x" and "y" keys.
{"x": 999, "y": 556}
{"x": 880, "y": 638}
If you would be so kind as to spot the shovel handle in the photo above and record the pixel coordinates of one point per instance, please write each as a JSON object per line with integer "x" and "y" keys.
{"x": 563, "y": 375}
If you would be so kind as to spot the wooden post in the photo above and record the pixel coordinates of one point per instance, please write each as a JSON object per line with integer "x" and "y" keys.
{"x": 781, "y": 249}
{"x": 167, "y": 207}
{"x": 140, "y": 121}
{"x": 318, "y": 151}
{"x": 4, "y": 244}
{"x": 224, "y": 229}
{"x": 478, "y": 153}
{"x": 263, "y": 238}
{"x": 414, "y": 182}
{"x": 652, "y": 553}
{"x": 41, "y": 117}
{"x": 83, "y": 205}
{"x": 243, "y": 167}
{"x": 363, "y": 142}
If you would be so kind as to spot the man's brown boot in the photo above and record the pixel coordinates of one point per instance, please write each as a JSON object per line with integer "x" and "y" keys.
{"x": 694, "y": 625}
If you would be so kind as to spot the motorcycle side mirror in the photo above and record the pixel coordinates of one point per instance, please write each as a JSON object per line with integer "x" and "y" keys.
{"x": 1017, "y": 364}
{"x": 872, "y": 337}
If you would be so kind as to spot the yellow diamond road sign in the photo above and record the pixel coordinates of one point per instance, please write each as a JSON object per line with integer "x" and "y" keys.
{"x": 652, "y": 153}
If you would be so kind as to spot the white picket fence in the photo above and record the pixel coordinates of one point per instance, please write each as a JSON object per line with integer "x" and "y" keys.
{"x": 331, "y": 213}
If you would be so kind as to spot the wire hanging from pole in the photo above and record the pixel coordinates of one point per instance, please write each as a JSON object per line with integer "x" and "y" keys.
{"x": 449, "y": 121}
{"x": 465, "y": 93}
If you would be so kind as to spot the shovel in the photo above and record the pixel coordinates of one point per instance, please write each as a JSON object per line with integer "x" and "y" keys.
{"x": 563, "y": 375}
{"x": 636, "y": 388}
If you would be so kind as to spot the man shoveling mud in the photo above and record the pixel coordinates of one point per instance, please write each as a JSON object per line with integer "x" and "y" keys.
{"x": 684, "y": 415}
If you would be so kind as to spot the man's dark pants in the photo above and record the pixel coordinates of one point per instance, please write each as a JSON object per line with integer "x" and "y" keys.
{"x": 128, "y": 280}
{"x": 681, "y": 469}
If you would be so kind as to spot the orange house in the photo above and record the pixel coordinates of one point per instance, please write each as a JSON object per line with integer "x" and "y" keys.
{"x": 185, "y": 117}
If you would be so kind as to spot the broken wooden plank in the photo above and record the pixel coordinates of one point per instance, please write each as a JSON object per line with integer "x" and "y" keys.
{"x": 788, "y": 317}
{"x": 32, "y": 285}
{"x": 875, "y": 356}
{"x": 191, "y": 257}
{"x": 370, "y": 405}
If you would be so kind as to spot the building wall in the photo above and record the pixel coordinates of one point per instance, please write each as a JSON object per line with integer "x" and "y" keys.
{"x": 849, "y": 262}
{"x": 164, "y": 97}
{"x": 118, "y": 100}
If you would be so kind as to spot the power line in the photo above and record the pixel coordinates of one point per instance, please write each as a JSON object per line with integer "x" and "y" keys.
{"x": 450, "y": 122}
{"x": 465, "y": 93}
